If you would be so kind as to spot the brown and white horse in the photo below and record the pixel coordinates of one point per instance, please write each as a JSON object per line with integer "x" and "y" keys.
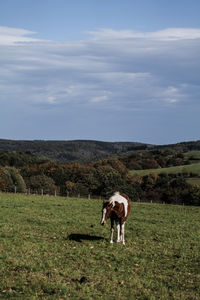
{"x": 117, "y": 209}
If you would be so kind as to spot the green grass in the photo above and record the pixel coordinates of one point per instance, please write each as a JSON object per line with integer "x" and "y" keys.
{"x": 192, "y": 155}
{"x": 55, "y": 248}
{"x": 195, "y": 168}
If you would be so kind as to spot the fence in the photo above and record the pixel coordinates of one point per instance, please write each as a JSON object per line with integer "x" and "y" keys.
{"x": 40, "y": 192}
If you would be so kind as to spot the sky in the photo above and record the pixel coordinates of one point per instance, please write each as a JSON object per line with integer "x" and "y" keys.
{"x": 109, "y": 70}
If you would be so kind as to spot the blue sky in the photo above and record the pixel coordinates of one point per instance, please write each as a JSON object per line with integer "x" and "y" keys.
{"x": 120, "y": 70}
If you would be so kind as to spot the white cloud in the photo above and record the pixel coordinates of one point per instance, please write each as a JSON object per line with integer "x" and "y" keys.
{"x": 175, "y": 94}
{"x": 107, "y": 33}
{"x": 12, "y": 36}
{"x": 99, "y": 99}
{"x": 168, "y": 34}
{"x": 171, "y": 34}
{"x": 122, "y": 69}
{"x": 51, "y": 100}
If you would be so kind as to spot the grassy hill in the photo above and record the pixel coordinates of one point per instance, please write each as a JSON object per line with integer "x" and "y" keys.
{"x": 55, "y": 248}
{"x": 194, "y": 168}
{"x": 193, "y": 157}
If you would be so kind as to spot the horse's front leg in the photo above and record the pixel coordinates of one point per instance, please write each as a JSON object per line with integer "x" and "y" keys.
{"x": 111, "y": 231}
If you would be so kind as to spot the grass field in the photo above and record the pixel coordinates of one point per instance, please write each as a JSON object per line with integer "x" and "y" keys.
{"x": 55, "y": 248}
{"x": 195, "y": 168}
{"x": 192, "y": 155}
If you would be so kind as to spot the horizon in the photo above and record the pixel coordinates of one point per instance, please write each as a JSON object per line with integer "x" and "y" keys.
{"x": 89, "y": 140}
{"x": 105, "y": 71}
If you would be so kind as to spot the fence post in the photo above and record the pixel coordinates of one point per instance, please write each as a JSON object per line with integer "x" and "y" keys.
{"x": 42, "y": 192}
{"x": 89, "y": 196}
{"x": 55, "y": 193}
{"x": 15, "y": 189}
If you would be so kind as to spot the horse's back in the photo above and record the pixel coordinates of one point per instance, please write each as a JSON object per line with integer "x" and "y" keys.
{"x": 129, "y": 206}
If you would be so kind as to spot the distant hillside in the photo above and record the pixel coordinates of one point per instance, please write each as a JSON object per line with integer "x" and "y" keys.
{"x": 183, "y": 146}
{"x": 85, "y": 151}
{"x": 82, "y": 151}
{"x": 185, "y": 169}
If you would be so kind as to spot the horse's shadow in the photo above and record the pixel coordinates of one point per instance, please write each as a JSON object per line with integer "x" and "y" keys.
{"x": 86, "y": 237}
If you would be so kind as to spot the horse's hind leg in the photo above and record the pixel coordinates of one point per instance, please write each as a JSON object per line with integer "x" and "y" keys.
{"x": 118, "y": 232}
{"x": 111, "y": 231}
{"x": 122, "y": 233}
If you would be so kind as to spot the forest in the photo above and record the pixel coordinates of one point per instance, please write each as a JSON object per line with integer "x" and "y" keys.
{"x": 25, "y": 172}
{"x": 81, "y": 151}
{"x": 86, "y": 151}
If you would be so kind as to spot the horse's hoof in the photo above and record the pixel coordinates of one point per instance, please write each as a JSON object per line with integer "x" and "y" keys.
{"x": 111, "y": 242}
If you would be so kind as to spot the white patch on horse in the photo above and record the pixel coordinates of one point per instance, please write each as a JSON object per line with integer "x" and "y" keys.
{"x": 118, "y": 198}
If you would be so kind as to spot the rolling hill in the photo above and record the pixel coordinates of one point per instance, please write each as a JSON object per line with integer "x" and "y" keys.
{"x": 83, "y": 151}
{"x": 193, "y": 168}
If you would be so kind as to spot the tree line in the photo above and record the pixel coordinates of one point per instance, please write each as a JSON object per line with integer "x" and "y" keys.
{"x": 154, "y": 159}
{"x": 99, "y": 178}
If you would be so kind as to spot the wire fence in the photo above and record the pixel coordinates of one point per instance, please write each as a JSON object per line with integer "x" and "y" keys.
{"x": 55, "y": 193}
{"x": 67, "y": 194}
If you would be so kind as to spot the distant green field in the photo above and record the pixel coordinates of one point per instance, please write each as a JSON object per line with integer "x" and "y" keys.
{"x": 55, "y": 248}
{"x": 195, "y": 168}
{"x": 192, "y": 155}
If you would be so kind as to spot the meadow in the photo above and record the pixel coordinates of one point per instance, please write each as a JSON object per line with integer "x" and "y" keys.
{"x": 55, "y": 248}
{"x": 193, "y": 155}
{"x": 194, "y": 168}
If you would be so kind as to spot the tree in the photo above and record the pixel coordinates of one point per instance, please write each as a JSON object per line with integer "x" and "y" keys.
{"x": 17, "y": 180}
{"x": 40, "y": 183}
{"x": 6, "y": 183}
{"x": 192, "y": 196}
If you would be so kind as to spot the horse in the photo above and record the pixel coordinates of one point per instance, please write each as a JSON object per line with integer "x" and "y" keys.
{"x": 117, "y": 209}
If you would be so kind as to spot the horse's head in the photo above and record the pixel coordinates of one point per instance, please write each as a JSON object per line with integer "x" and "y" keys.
{"x": 106, "y": 212}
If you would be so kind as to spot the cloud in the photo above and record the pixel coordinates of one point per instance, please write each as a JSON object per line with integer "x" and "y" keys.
{"x": 99, "y": 99}
{"x": 11, "y": 36}
{"x": 174, "y": 94}
{"x": 111, "y": 70}
{"x": 172, "y": 34}
{"x": 51, "y": 100}
{"x": 168, "y": 34}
